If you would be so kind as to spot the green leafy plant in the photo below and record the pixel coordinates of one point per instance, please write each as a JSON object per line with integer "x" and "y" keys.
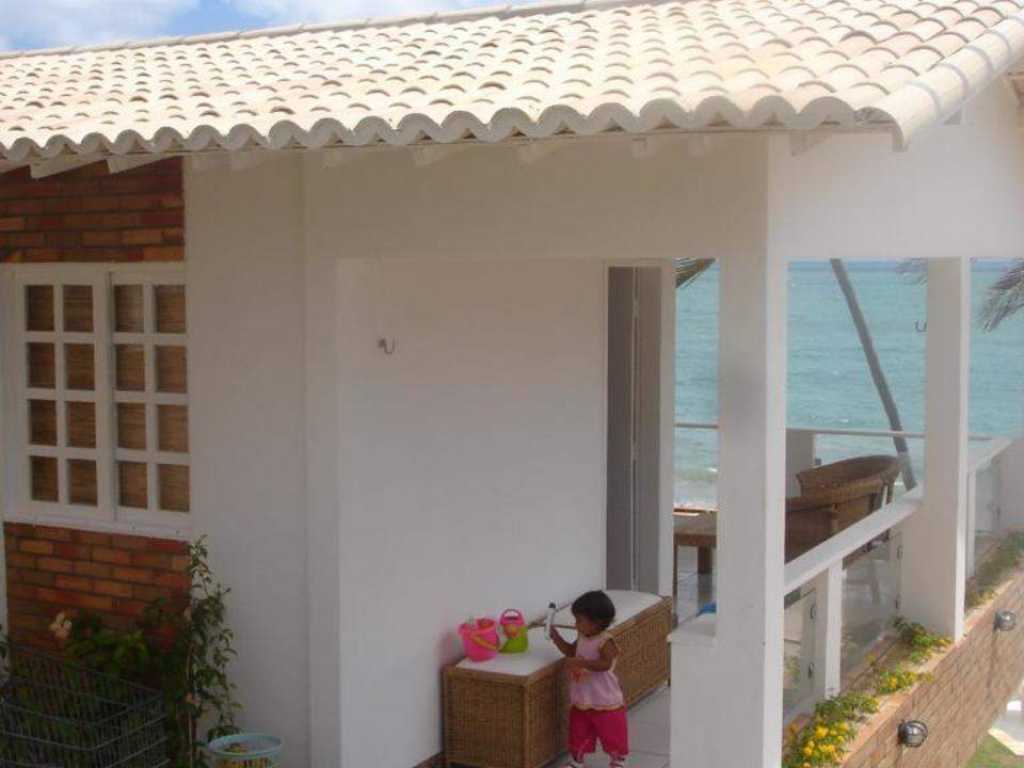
{"x": 824, "y": 740}
{"x": 895, "y": 680}
{"x": 182, "y": 648}
{"x": 921, "y": 643}
{"x": 994, "y": 570}
{"x": 123, "y": 654}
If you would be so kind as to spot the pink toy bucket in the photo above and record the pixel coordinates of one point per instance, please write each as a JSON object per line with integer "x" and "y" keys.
{"x": 480, "y": 639}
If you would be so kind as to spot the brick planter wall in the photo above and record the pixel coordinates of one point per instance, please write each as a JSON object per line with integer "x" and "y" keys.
{"x": 971, "y": 684}
{"x": 59, "y": 569}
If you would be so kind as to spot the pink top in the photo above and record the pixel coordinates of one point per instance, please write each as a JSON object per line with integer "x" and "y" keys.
{"x": 594, "y": 690}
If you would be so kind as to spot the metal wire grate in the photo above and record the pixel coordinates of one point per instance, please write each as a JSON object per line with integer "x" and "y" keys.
{"x": 58, "y": 715}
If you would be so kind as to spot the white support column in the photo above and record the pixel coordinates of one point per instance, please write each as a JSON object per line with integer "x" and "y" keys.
{"x": 667, "y": 456}
{"x": 7, "y": 320}
{"x": 800, "y": 445}
{"x": 828, "y": 631}
{"x": 934, "y": 541}
{"x": 727, "y": 689}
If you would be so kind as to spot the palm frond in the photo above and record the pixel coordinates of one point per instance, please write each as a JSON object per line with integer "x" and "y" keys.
{"x": 1005, "y": 297}
{"x": 688, "y": 270}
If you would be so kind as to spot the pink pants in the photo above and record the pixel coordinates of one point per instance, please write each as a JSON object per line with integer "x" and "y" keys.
{"x": 589, "y": 726}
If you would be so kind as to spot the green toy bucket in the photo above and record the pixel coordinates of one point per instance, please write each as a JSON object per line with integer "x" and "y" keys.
{"x": 513, "y": 625}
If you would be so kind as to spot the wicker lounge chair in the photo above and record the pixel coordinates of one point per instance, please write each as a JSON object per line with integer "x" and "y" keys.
{"x": 835, "y": 497}
{"x": 863, "y": 468}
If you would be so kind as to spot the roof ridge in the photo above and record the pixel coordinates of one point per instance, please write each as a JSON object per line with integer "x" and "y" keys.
{"x": 504, "y": 10}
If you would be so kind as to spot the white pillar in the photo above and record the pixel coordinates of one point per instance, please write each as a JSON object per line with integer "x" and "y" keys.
{"x": 934, "y": 541}
{"x": 800, "y": 446}
{"x": 828, "y": 631}
{"x": 667, "y": 456}
{"x": 727, "y": 689}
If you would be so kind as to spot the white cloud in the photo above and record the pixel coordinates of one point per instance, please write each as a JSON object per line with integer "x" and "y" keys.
{"x": 45, "y": 23}
{"x": 289, "y": 11}
{"x": 38, "y": 23}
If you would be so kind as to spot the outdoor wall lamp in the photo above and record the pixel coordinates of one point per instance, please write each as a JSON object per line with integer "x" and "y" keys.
{"x": 1005, "y": 621}
{"x": 912, "y": 733}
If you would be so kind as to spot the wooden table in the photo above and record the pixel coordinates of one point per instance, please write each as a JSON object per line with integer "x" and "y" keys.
{"x": 694, "y": 527}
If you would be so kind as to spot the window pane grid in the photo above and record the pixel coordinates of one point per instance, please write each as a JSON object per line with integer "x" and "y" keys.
{"x": 72, "y": 394}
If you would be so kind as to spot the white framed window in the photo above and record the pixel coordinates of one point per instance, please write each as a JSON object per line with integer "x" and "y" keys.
{"x": 96, "y": 397}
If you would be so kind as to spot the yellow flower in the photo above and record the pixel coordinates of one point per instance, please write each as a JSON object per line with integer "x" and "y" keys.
{"x": 820, "y": 732}
{"x": 809, "y": 749}
{"x": 843, "y": 727}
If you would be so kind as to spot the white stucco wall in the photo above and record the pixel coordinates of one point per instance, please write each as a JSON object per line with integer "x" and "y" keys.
{"x": 596, "y": 201}
{"x": 361, "y": 504}
{"x": 247, "y": 421}
{"x": 471, "y": 471}
{"x": 957, "y": 191}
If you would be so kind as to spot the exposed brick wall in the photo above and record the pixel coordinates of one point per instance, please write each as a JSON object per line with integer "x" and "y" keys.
{"x": 90, "y": 215}
{"x": 971, "y": 684}
{"x": 59, "y": 569}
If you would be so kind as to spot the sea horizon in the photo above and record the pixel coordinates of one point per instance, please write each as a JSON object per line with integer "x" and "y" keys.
{"x": 829, "y": 383}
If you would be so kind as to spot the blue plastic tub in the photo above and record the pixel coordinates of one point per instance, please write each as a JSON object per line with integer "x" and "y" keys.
{"x": 246, "y": 750}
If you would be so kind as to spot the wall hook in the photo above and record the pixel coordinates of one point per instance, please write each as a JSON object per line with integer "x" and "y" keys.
{"x": 920, "y": 327}
{"x": 388, "y": 345}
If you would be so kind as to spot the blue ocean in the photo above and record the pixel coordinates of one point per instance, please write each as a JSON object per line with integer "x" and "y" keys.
{"x": 830, "y": 385}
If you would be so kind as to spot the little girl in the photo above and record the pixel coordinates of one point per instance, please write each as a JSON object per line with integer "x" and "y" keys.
{"x": 598, "y": 709}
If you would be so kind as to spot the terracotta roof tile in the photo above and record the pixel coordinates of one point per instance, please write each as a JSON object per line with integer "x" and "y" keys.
{"x": 533, "y": 71}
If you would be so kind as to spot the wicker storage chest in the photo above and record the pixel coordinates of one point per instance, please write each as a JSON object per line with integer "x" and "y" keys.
{"x": 512, "y": 712}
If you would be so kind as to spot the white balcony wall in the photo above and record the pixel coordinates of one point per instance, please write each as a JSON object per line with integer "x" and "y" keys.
{"x": 339, "y": 611}
{"x": 361, "y": 504}
{"x": 246, "y": 325}
{"x": 957, "y": 191}
{"x": 486, "y": 434}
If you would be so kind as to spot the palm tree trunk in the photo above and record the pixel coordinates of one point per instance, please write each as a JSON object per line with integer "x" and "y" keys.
{"x": 875, "y": 366}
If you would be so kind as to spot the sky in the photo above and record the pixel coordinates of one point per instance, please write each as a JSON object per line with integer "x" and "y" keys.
{"x": 48, "y": 23}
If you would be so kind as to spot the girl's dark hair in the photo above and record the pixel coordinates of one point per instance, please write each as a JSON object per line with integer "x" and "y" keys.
{"x": 597, "y": 607}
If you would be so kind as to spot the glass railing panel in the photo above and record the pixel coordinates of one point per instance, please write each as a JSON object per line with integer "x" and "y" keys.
{"x": 871, "y": 595}
{"x": 798, "y": 651}
{"x": 985, "y": 514}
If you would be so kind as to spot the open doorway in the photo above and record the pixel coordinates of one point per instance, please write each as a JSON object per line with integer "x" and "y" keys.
{"x": 636, "y": 433}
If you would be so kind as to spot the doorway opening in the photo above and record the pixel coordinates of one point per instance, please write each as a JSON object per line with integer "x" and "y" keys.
{"x": 636, "y": 507}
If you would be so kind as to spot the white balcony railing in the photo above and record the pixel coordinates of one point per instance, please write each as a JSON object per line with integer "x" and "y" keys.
{"x": 815, "y": 580}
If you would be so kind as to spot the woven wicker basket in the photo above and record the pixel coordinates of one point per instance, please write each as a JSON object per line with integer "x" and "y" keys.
{"x": 503, "y": 721}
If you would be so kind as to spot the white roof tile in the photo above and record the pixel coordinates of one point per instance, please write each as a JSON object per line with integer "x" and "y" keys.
{"x": 579, "y": 67}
